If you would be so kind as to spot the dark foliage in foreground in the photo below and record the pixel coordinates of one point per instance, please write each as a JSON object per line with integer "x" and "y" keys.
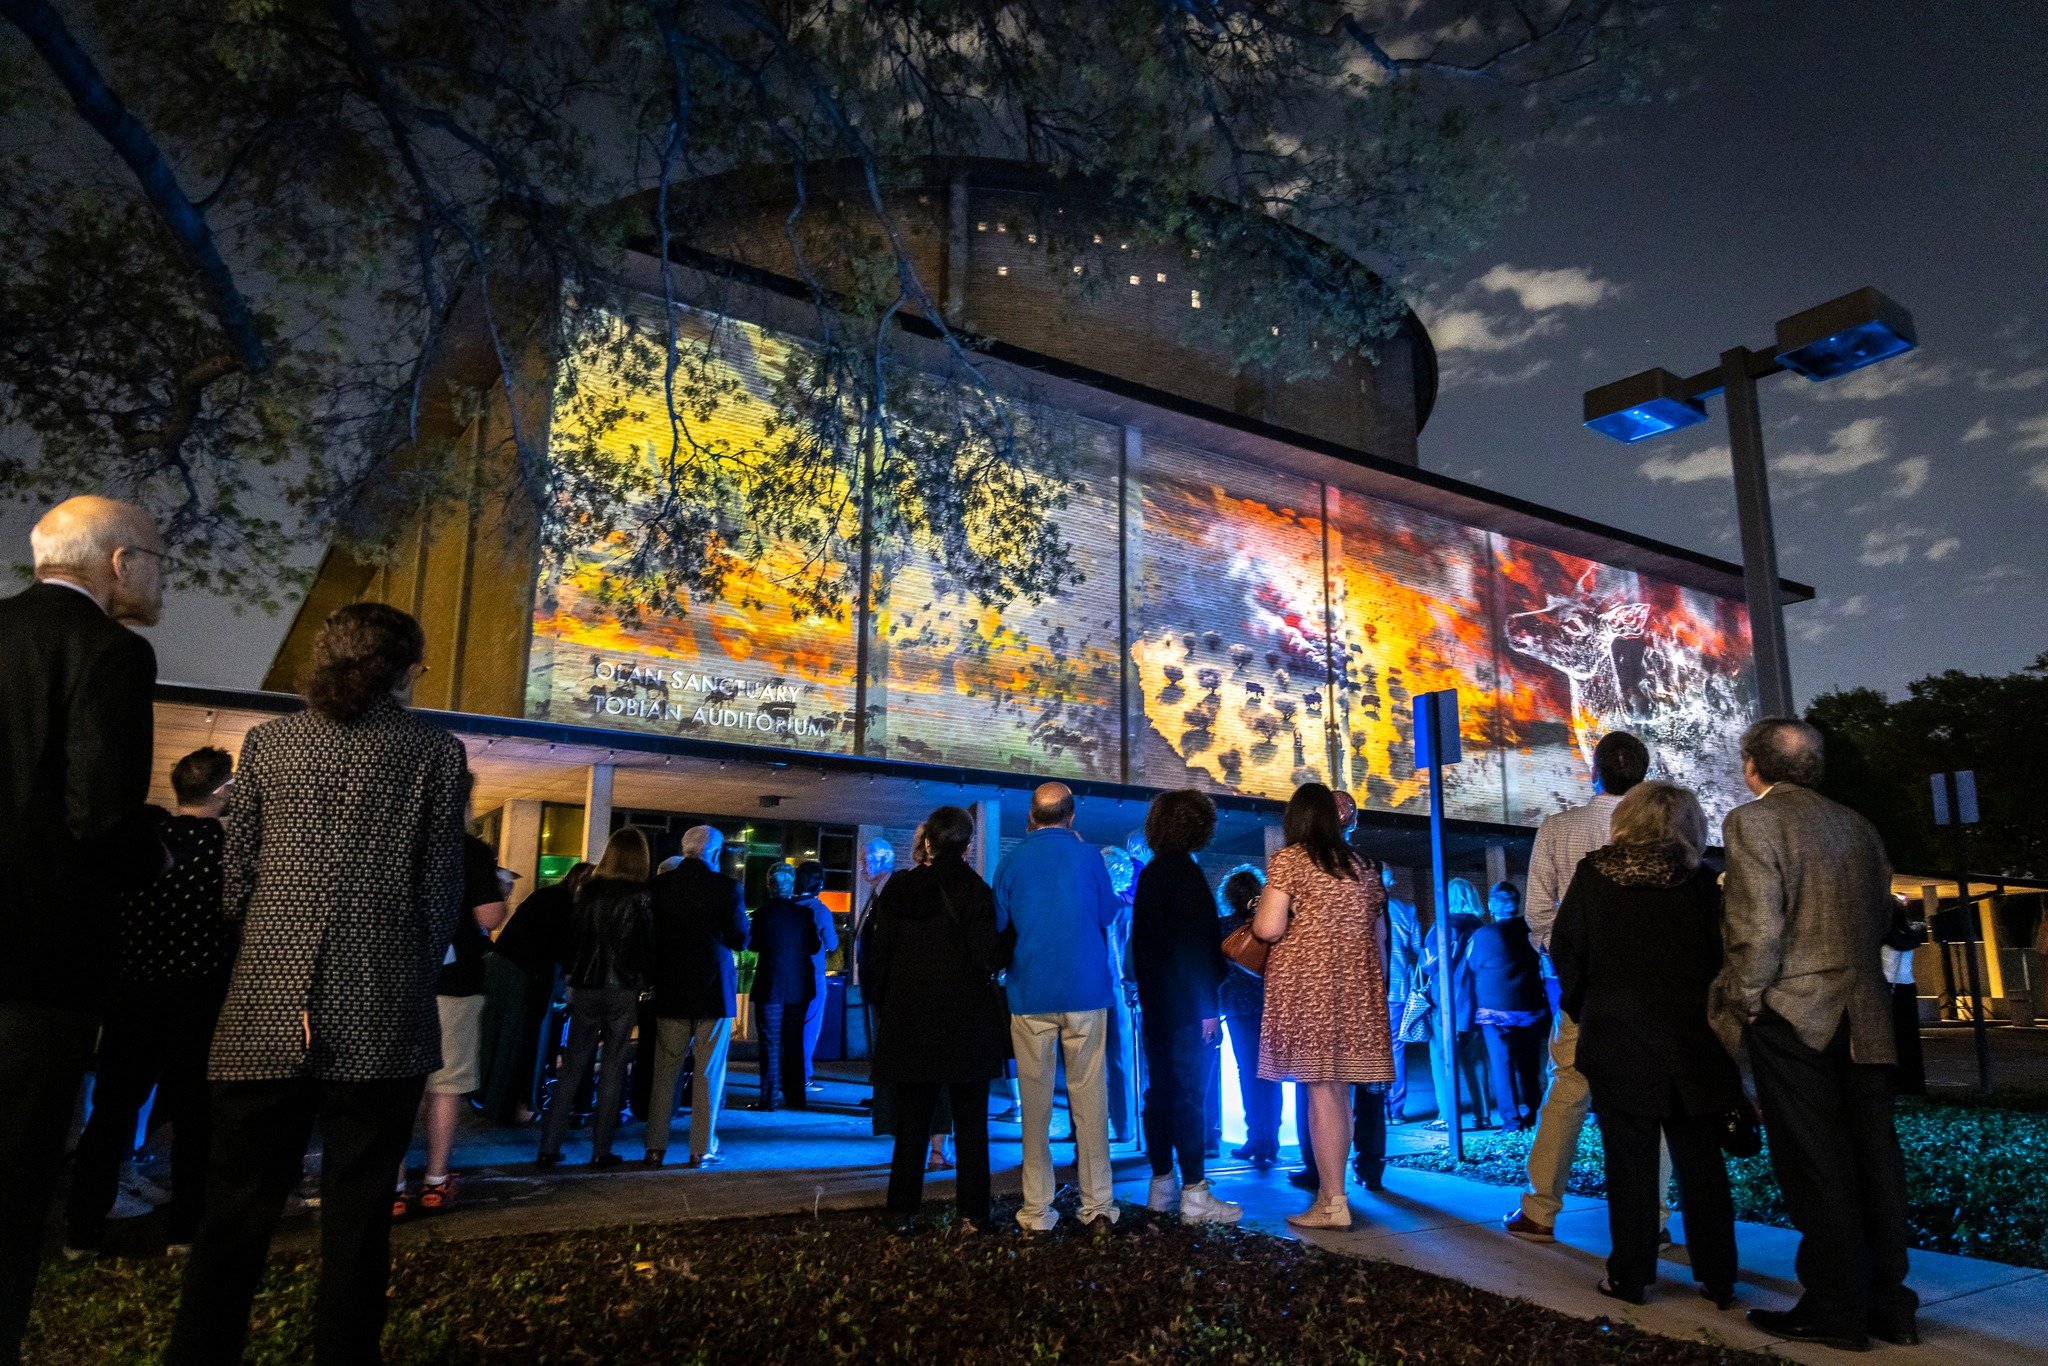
{"x": 840, "y": 1288}
{"x": 1973, "y": 1176}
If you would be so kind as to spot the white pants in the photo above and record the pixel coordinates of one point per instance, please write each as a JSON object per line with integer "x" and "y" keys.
{"x": 1040, "y": 1040}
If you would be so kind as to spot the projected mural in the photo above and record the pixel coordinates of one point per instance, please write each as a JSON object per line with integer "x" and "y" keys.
{"x": 1232, "y": 627}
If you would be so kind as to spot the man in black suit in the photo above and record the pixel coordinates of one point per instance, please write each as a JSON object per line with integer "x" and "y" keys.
{"x": 76, "y": 737}
{"x": 700, "y": 921}
{"x": 1808, "y": 905}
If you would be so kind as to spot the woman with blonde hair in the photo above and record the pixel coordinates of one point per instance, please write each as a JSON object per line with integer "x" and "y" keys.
{"x": 1637, "y": 946}
{"x": 608, "y": 971}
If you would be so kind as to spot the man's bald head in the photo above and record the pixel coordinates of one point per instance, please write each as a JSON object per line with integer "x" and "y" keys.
{"x": 107, "y": 547}
{"x": 1052, "y": 804}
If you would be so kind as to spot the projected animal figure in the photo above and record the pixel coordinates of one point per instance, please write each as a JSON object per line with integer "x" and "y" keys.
{"x": 1576, "y": 636}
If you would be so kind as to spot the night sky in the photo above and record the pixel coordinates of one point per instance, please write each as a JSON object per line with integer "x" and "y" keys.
{"x": 1825, "y": 146}
{"x": 1821, "y": 147}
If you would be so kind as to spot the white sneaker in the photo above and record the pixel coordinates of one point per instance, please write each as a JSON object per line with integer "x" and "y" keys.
{"x": 1198, "y": 1206}
{"x": 1164, "y": 1196}
{"x": 129, "y": 1206}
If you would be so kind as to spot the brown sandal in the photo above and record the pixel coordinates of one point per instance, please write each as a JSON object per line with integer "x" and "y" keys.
{"x": 438, "y": 1199}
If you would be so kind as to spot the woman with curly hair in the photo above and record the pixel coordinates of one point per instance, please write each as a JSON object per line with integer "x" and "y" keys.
{"x": 343, "y": 864}
{"x": 1177, "y": 959}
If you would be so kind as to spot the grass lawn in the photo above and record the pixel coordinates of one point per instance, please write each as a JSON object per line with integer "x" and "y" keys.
{"x": 1976, "y": 1175}
{"x": 838, "y": 1288}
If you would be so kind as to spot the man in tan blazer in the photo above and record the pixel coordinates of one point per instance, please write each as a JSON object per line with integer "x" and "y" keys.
{"x": 1808, "y": 904}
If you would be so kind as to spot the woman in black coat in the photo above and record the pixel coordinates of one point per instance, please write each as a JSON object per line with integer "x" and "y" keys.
{"x": 611, "y": 966}
{"x": 1244, "y": 1002}
{"x": 1511, "y": 1007}
{"x": 1637, "y": 945}
{"x": 931, "y": 954}
{"x": 1177, "y": 959}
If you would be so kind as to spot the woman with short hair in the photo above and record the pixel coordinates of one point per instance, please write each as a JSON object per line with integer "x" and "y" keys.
{"x": 343, "y": 864}
{"x": 1637, "y": 946}
{"x": 1177, "y": 960}
{"x": 932, "y": 953}
{"x": 610, "y": 968}
{"x": 1324, "y": 913}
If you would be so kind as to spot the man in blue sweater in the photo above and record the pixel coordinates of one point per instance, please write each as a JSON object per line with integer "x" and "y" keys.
{"x": 1053, "y": 892}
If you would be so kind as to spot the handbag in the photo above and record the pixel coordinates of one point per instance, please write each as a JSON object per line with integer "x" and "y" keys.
{"x": 1741, "y": 1136}
{"x": 1247, "y": 950}
{"x": 1415, "y": 1016}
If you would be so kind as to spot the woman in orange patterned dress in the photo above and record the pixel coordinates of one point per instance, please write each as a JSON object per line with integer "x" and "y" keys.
{"x": 1325, "y": 1026}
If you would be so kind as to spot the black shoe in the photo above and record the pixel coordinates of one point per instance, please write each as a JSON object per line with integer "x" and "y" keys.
{"x": 1630, "y": 1294}
{"x": 547, "y": 1159}
{"x": 1245, "y": 1154}
{"x": 1369, "y": 1178}
{"x": 604, "y": 1161}
{"x": 1720, "y": 1296}
{"x": 1786, "y": 1323}
{"x": 1898, "y": 1332}
{"x": 653, "y": 1157}
{"x": 1305, "y": 1179}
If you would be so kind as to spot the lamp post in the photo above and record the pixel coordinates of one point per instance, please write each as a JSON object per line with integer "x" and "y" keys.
{"x": 1841, "y": 335}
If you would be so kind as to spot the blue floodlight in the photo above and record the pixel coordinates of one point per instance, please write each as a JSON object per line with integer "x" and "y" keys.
{"x": 1642, "y": 406}
{"x": 1858, "y": 329}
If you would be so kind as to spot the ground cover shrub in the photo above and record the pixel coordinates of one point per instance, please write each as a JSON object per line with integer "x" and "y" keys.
{"x": 839, "y": 1288}
{"x": 1976, "y": 1175}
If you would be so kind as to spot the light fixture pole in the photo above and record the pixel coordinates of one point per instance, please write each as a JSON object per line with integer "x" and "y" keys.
{"x": 1858, "y": 329}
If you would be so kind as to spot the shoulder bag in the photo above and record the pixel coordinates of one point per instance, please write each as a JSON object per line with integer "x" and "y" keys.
{"x": 1246, "y": 949}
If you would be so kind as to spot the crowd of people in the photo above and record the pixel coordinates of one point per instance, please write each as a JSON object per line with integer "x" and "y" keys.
{"x": 264, "y": 979}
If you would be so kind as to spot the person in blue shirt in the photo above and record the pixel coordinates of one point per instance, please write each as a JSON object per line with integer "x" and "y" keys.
{"x": 1053, "y": 895}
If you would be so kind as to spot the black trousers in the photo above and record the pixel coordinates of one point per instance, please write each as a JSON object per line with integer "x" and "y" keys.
{"x": 1514, "y": 1056}
{"x": 1836, "y": 1155}
{"x": 1397, "y": 1094}
{"x": 1178, "y": 1062}
{"x": 1261, "y": 1097}
{"x": 260, "y": 1133}
{"x": 1909, "y": 1078}
{"x": 515, "y": 1009}
{"x": 1629, "y": 1145}
{"x": 153, "y": 1038}
{"x": 916, "y": 1102}
{"x": 598, "y": 1017}
{"x": 782, "y": 1054}
{"x": 43, "y": 1053}
{"x": 1368, "y": 1132}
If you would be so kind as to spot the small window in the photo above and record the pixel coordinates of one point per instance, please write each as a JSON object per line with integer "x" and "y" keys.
{"x": 1077, "y": 270}
{"x": 1160, "y": 278}
{"x": 1194, "y": 298}
{"x": 1276, "y": 331}
{"x": 1002, "y": 270}
{"x": 1002, "y": 227}
{"x": 1031, "y": 237}
{"x": 1134, "y": 279}
{"x": 981, "y": 227}
{"x": 1098, "y": 239}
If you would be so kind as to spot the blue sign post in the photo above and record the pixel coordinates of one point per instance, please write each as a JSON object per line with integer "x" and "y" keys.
{"x": 1436, "y": 745}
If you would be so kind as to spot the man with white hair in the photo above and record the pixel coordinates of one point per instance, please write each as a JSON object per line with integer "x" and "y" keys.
{"x": 76, "y": 744}
{"x": 700, "y": 920}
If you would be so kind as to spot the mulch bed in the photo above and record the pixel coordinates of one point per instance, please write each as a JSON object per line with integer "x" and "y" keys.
{"x": 1974, "y": 1170}
{"x": 840, "y": 1288}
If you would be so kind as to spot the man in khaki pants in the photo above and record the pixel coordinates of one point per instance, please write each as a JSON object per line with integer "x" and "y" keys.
{"x": 1053, "y": 893}
{"x": 1620, "y": 761}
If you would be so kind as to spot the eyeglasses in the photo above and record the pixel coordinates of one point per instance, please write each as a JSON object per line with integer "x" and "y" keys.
{"x": 163, "y": 557}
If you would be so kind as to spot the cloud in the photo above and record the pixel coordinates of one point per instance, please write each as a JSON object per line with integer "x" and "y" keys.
{"x": 1494, "y": 379}
{"x": 1899, "y": 543}
{"x": 1541, "y": 291}
{"x": 2032, "y": 433}
{"x": 1712, "y": 463}
{"x": 1905, "y": 375}
{"x": 1813, "y": 630}
{"x": 2017, "y": 381}
{"x": 1854, "y": 606}
{"x": 1862, "y": 442}
{"x": 1996, "y": 579}
{"x": 2038, "y": 476}
{"x": 1910, "y": 476}
{"x": 1980, "y": 430}
{"x": 1509, "y": 307}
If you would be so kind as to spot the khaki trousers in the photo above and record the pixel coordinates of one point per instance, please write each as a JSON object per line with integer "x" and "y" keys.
{"x": 1565, "y": 1107}
{"x": 673, "y": 1040}
{"x": 1082, "y": 1037}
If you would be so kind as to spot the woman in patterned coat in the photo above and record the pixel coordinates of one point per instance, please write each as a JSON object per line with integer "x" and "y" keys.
{"x": 344, "y": 866}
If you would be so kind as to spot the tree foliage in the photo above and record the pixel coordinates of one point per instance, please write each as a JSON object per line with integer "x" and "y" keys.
{"x": 244, "y": 242}
{"x": 1881, "y": 753}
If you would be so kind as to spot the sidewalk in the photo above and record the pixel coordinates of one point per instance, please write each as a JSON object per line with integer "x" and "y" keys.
{"x": 1970, "y": 1311}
